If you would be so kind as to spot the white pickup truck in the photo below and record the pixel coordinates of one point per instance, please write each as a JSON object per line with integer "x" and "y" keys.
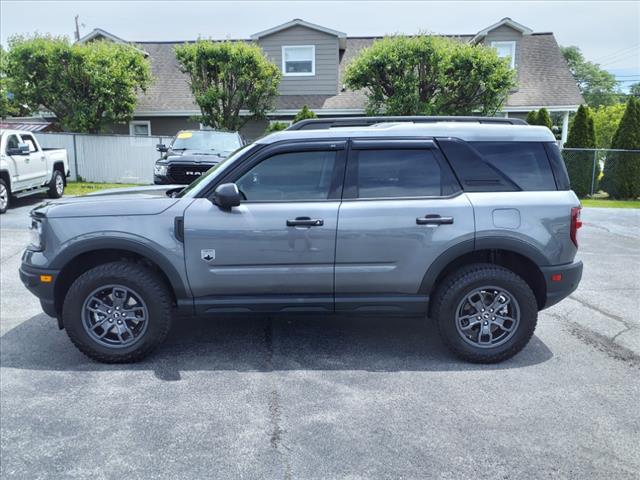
{"x": 28, "y": 169}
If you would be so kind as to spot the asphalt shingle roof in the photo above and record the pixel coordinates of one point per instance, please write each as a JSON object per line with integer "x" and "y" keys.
{"x": 543, "y": 79}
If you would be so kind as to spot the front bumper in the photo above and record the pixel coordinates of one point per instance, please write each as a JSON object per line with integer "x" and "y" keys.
{"x": 561, "y": 281}
{"x": 45, "y": 291}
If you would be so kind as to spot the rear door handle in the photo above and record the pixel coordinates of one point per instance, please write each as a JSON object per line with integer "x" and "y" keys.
{"x": 305, "y": 222}
{"x": 434, "y": 220}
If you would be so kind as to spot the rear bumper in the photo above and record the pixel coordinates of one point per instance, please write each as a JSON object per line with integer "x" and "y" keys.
{"x": 30, "y": 277}
{"x": 569, "y": 279}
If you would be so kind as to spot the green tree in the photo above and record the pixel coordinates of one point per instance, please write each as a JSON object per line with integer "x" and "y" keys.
{"x": 544, "y": 118}
{"x": 580, "y": 164}
{"x": 304, "y": 114}
{"x": 276, "y": 127}
{"x": 634, "y": 89}
{"x": 226, "y": 77}
{"x": 10, "y": 106}
{"x": 428, "y": 75}
{"x": 532, "y": 117}
{"x": 598, "y": 87}
{"x": 622, "y": 169}
{"x": 606, "y": 120}
{"x": 86, "y": 86}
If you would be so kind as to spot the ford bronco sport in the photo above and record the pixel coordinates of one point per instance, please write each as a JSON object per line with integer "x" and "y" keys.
{"x": 468, "y": 221}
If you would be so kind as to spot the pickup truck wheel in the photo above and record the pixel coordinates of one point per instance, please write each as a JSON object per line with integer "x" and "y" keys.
{"x": 485, "y": 313}
{"x": 56, "y": 186}
{"x": 4, "y": 196}
{"x": 117, "y": 312}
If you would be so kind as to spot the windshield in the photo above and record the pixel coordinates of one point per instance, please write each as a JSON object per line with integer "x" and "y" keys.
{"x": 206, "y": 140}
{"x": 193, "y": 188}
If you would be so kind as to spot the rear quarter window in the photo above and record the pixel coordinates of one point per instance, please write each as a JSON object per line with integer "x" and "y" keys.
{"x": 524, "y": 163}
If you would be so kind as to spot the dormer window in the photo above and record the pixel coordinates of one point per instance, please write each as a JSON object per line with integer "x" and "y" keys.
{"x": 506, "y": 50}
{"x": 299, "y": 60}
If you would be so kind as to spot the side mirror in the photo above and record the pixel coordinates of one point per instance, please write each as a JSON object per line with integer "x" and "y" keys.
{"x": 21, "y": 149}
{"x": 227, "y": 196}
{"x": 161, "y": 147}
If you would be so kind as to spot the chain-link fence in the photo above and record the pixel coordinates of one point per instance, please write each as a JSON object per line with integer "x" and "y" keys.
{"x": 592, "y": 170}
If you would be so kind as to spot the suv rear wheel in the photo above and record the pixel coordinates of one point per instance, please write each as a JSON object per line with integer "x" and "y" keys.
{"x": 117, "y": 312}
{"x": 485, "y": 313}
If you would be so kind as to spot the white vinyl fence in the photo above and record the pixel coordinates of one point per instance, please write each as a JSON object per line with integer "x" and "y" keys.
{"x": 107, "y": 158}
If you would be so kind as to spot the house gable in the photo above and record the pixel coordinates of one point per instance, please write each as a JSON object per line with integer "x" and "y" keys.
{"x": 325, "y": 47}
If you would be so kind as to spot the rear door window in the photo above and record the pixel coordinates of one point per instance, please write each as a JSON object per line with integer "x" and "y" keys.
{"x": 524, "y": 163}
{"x": 399, "y": 172}
{"x": 28, "y": 139}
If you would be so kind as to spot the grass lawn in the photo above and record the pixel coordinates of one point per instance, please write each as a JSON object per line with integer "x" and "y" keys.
{"x": 589, "y": 202}
{"x": 82, "y": 188}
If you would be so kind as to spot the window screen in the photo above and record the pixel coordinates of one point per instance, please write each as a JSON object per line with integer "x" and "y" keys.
{"x": 524, "y": 163}
{"x": 398, "y": 173}
{"x": 290, "y": 177}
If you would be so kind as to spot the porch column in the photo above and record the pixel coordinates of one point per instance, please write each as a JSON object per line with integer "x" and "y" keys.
{"x": 565, "y": 127}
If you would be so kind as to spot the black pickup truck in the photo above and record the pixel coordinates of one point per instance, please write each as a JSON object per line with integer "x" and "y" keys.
{"x": 191, "y": 153}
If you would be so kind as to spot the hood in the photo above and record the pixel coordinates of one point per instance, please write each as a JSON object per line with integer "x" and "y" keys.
{"x": 142, "y": 190}
{"x": 144, "y": 200}
{"x": 194, "y": 156}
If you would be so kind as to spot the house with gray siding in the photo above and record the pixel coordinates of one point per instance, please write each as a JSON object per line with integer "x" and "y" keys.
{"x": 313, "y": 59}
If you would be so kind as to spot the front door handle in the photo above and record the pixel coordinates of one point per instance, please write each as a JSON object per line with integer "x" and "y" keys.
{"x": 434, "y": 220}
{"x": 305, "y": 222}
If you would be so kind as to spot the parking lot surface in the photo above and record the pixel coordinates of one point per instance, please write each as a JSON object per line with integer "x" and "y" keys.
{"x": 332, "y": 397}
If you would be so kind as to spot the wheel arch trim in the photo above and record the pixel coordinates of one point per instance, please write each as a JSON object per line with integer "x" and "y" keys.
{"x": 458, "y": 250}
{"x": 68, "y": 254}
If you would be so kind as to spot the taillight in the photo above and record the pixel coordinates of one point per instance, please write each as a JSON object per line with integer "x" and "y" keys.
{"x": 576, "y": 223}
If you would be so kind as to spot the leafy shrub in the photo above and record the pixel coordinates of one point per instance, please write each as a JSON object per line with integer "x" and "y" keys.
{"x": 622, "y": 169}
{"x": 580, "y": 164}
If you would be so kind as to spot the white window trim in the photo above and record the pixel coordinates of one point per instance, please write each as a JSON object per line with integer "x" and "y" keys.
{"x": 512, "y": 44}
{"x": 300, "y": 74}
{"x": 133, "y": 123}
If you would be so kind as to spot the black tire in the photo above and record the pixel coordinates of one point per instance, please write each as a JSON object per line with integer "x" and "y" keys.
{"x": 5, "y": 199}
{"x": 146, "y": 283}
{"x": 453, "y": 292}
{"x": 56, "y": 185}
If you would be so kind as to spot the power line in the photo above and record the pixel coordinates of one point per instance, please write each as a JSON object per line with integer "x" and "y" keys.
{"x": 624, "y": 57}
{"x": 611, "y": 55}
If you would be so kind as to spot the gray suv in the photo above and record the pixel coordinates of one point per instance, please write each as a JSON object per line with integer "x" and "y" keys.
{"x": 468, "y": 221}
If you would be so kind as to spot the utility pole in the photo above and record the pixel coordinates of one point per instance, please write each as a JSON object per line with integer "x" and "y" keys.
{"x": 77, "y": 32}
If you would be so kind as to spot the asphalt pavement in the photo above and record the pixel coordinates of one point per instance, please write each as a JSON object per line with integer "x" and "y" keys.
{"x": 331, "y": 397}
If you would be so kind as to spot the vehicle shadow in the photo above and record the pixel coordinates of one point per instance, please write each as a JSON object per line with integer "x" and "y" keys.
{"x": 263, "y": 344}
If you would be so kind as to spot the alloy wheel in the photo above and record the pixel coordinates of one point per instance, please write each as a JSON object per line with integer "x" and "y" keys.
{"x": 487, "y": 317}
{"x": 115, "y": 316}
{"x": 59, "y": 184}
{"x": 4, "y": 197}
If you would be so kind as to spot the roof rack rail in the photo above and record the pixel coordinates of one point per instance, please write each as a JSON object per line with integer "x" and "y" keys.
{"x": 326, "y": 123}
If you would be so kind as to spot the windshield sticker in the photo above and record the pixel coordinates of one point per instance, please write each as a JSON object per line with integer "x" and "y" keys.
{"x": 185, "y": 135}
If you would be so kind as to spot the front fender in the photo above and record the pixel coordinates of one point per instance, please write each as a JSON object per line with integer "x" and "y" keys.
{"x": 173, "y": 268}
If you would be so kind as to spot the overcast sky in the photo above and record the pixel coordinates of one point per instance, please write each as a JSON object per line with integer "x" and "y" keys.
{"x": 606, "y": 31}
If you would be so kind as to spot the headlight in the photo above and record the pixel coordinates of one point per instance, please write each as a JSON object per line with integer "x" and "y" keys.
{"x": 160, "y": 169}
{"x": 36, "y": 235}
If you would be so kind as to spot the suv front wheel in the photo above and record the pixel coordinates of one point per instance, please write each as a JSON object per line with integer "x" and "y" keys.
{"x": 485, "y": 313}
{"x": 117, "y": 312}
